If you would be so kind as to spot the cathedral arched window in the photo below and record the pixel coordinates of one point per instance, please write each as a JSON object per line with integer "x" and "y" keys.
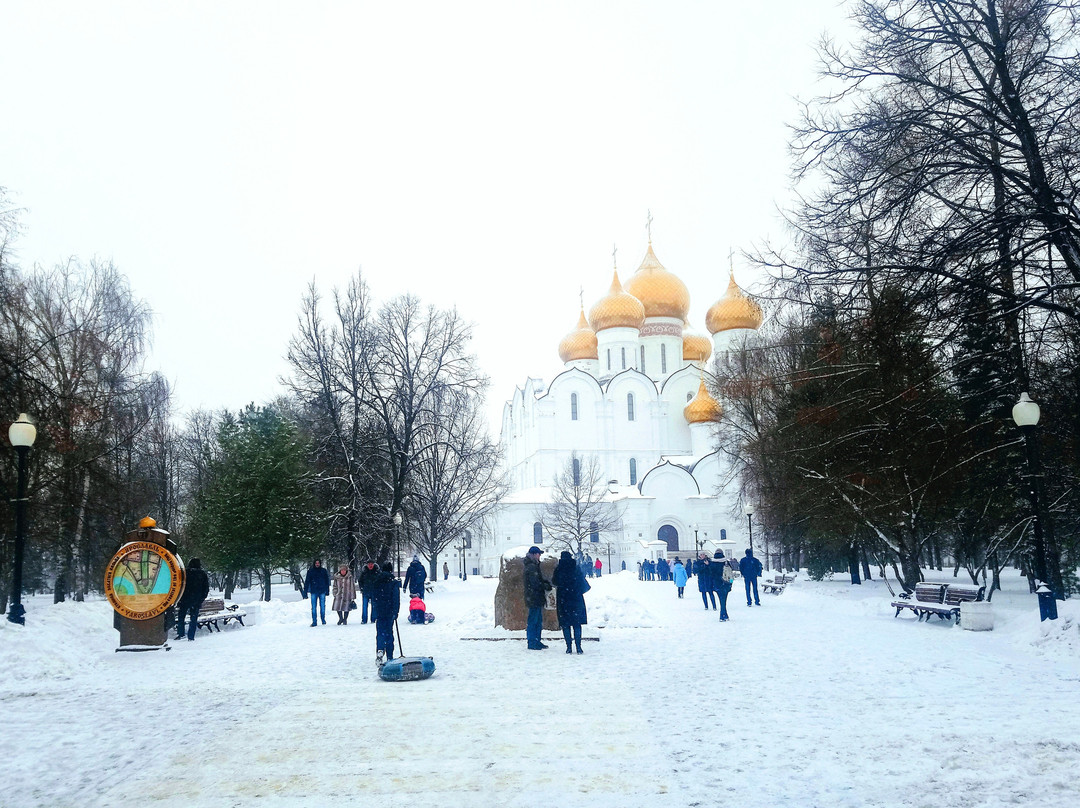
{"x": 689, "y": 396}
{"x": 577, "y": 471}
{"x": 642, "y": 358}
{"x": 629, "y": 406}
{"x": 594, "y": 532}
{"x": 623, "y": 350}
{"x": 633, "y": 471}
{"x": 663, "y": 359}
{"x": 573, "y": 406}
{"x": 609, "y": 358}
{"x": 538, "y": 533}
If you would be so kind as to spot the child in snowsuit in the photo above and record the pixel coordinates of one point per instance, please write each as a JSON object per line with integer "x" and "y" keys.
{"x": 417, "y": 610}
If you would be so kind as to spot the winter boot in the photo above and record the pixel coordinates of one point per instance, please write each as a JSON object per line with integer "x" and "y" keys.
{"x": 380, "y": 659}
{"x": 578, "y": 648}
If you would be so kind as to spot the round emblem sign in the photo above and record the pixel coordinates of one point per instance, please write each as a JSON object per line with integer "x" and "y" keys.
{"x": 143, "y": 579}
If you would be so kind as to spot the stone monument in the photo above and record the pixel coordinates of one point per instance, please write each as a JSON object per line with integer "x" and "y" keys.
{"x": 510, "y": 610}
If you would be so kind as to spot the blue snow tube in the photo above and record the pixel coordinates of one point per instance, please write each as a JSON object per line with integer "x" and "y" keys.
{"x": 407, "y": 669}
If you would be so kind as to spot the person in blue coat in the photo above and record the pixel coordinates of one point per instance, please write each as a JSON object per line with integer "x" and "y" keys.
{"x": 704, "y": 581}
{"x": 387, "y": 600}
{"x": 317, "y": 587}
{"x": 678, "y": 574}
{"x": 570, "y": 589}
{"x": 750, "y": 568}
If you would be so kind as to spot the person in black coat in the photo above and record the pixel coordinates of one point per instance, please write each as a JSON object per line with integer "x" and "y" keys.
{"x": 196, "y": 589}
{"x": 415, "y": 576}
{"x": 570, "y": 589}
{"x": 750, "y": 568}
{"x": 386, "y": 596}
{"x": 536, "y": 587}
{"x": 366, "y": 581}
{"x": 705, "y": 581}
{"x": 317, "y": 587}
{"x": 722, "y": 569}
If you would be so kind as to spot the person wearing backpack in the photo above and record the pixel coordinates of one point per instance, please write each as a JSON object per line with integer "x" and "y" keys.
{"x": 750, "y": 568}
{"x": 723, "y": 571}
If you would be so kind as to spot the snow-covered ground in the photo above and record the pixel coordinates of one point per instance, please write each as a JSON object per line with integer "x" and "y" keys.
{"x": 817, "y": 698}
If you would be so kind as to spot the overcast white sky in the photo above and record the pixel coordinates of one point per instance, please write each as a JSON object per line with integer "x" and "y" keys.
{"x": 479, "y": 155}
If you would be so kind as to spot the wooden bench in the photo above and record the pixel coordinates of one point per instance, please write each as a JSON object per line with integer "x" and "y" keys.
{"x": 777, "y": 584}
{"x": 941, "y": 599}
{"x": 213, "y": 611}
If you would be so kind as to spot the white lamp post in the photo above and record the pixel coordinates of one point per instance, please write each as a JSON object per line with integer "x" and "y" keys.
{"x": 1026, "y": 415}
{"x": 22, "y": 434}
{"x": 397, "y": 541}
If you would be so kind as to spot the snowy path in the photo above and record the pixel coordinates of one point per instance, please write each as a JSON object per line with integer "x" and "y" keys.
{"x": 805, "y": 701}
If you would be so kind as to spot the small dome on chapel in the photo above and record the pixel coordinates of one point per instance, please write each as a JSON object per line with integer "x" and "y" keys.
{"x": 733, "y": 310}
{"x": 703, "y": 408}
{"x": 579, "y": 343}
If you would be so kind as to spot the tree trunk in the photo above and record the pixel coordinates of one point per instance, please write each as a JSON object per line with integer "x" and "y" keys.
{"x": 266, "y": 583}
{"x": 865, "y": 564}
{"x": 853, "y": 564}
{"x": 230, "y": 584}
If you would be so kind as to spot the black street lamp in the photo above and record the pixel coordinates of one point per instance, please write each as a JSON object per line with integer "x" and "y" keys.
{"x": 749, "y": 511}
{"x": 21, "y": 434}
{"x": 1047, "y": 569}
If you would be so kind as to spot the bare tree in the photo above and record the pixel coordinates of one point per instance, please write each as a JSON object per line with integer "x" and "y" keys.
{"x": 456, "y": 480}
{"x": 580, "y": 506}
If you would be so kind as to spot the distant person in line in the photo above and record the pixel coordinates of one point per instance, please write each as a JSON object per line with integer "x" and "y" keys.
{"x": 536, "y": 589}
{"x": 723, "y": 571}
{"x": 678, "y": 575}
{"x": 445, "y": 571}
{"x": 570, "y": 589}
{"x": 590, "y": 570}
{"x": 344, "y": 593}
{"x": 196, "y": 589}
{"x": 387, "y": 600}
{"x": 750, "y": 568}
{"x": 417, "y": 610}
{"x": 599, "y": 567}
{"x": 415, "y": 576}
{"x": 704, "y": 581}
{"x": 662, "y": 569}
{"x": 640, "y": 571}
{"x": 368, "y": 573}
{"x": 317, "y": 587}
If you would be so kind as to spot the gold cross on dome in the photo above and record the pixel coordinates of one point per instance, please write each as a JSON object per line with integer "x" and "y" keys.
{"x": 581, "y": 296}
{"x": 648, "y": 224}
{"x": 614, "y": 250}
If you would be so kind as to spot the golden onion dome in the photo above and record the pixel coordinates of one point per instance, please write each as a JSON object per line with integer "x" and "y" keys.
{"x": 703, "y": 408}
{"x": 616, "y": 309}
{"x": 579, "y": 343}
{"x": 695, "y": 347}
{"x": 733, "y": 310}
{"x": 660, "y": 292}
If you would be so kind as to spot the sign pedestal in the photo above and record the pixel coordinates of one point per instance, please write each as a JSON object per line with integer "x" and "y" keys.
{"x": 141, "y": 635}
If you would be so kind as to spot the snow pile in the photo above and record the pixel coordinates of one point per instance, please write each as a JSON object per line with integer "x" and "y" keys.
{"x": 58, "y": 641}
{"x": 1058, "y": 638}
{"x": 607, "y": 609}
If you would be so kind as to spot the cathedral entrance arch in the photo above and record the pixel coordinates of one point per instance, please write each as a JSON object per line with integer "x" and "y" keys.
{"x": 669, "y": 535}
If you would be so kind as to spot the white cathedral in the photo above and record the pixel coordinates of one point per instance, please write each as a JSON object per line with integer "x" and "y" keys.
{"x": 632, "y": 394}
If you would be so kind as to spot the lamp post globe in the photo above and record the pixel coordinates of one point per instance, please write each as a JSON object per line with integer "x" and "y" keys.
{"x": 22, "y": 434}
